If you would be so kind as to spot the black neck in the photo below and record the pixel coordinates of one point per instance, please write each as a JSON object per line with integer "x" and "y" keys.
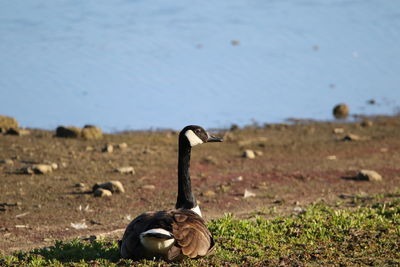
{"x": 186, "y": 199}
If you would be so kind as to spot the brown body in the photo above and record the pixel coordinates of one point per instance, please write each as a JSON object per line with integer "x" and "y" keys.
{"x": 192, "y": 238}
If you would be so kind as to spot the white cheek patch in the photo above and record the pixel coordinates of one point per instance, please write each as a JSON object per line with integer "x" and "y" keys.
{"x": 193, "y": 138}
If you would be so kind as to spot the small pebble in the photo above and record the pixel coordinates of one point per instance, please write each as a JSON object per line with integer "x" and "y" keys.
{"x": 369, "y": 175}
{"x": 149, "y": 187}
{"x": 249, "y": 154}
{"x": 108, "y": 148}
{"x": 113, "y": 186}
{"x": 100, "y": 192}
{"x": 248, "y": 193}
{"x": 123, "y": 146}
{"x": 125, "y": 170}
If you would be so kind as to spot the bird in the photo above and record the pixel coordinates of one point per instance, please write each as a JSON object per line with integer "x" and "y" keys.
{"x": 174, "y": 234}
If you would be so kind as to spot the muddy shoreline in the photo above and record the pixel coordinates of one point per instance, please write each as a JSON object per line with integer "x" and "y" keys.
{"x": 296, "y": 164}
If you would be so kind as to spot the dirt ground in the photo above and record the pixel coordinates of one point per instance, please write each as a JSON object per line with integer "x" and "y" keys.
{"x": 297, "y": 164}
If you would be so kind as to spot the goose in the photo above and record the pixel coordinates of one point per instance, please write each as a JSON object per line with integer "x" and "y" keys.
{"x": 173, "y": 234}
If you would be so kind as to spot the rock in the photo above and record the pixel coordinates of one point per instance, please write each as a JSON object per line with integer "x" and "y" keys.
{"x": 8, "y": 122}
{"x": 17, "y": 131}
{"x": 125, "y": 170}
{"x": 113, "y": 186}
{"x": 38, "y": 169}
{"x": 235, "y": 42}
{"x": 249, "y": 154}
{"x": 338, "y": 130}
{"x": 351, "y": 137}
{"x": 101, "y": 192}
{"x": 369, "y": 175}
{"x": 237, "y": 179}
{"x": 258, "y": 153}
{"x": 248, "y": 193}
{"x": 90, "y": 132}
{"x": 208, "y": 193}
{"x": 341, "y": 111}
{"x": 299, "y": 210}
{"x": 331, "y": 157}
{"x": 7, "y": 161}
{"x": 108, "y": 148}
{"x": 122, "y": 146}
{"x": 366, "y": 123}
{"x": 149, "y": 187}
{"x": 54, "y": 166}
{"x": 68, "y": 132}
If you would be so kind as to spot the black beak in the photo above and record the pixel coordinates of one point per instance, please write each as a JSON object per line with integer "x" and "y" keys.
{"x": 212, "y": 138}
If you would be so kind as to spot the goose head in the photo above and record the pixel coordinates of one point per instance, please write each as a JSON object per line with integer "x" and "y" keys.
{"x": 196, "y": 135}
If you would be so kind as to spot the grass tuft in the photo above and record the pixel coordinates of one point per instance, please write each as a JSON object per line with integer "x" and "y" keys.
{"x": 322, "y": 235}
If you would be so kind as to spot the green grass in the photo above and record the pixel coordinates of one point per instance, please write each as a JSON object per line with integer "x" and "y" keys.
{"x": 322, "y": 235}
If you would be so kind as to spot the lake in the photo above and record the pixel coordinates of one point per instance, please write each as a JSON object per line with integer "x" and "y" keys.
{"x": 135, "y": 64}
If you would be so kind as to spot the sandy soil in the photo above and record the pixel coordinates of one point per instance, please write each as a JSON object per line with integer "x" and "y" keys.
{"x": 300, "y": 163}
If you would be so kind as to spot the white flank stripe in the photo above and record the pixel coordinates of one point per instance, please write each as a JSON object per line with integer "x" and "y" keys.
{"x": 156, "y": 245}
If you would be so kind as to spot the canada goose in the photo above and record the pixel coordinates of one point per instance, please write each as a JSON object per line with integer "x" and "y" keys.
{"x": 174, "y": 234}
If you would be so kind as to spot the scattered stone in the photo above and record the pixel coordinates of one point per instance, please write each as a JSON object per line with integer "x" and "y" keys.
{"x": 149, "y": 187}
{"x": 351, "y": 137}
{"x": 125, "y": 170}
{"x": 17, "y": 131}
{"x": 90, "y": 132}
{"x": 369, "y": 175}
{"x": 249, "y": 154}
{"x": 341, "y": 111}
{"x": 22, "y": 215}
{"x": 101, "y": 192}
{"x": 113, "y": 186}
{"x": 54, "y": 166}
{"x": 235, "y": 42}
{"x": 208, "y": 193}
{"x": 248, "y": 193}
{"x": 366, "y": 123}
{"x": 384, "y": 149}
{"x": 80, "y": 185}
{"x": 108, "y": 148}
{"x": 38, "y": 169}
{"x": 89, "y": 148}
{"x": 122, "y": 146}
{"x": 237, "y": 179}
{"x": 8, "y": 122}
{"x": 331, "y": 157}
{"x": 338, "y": 130}
{"x": 7, "y": 161}
{"x": 79, "y": 225}
{"x": 68, "y": 132}
{"x": 299, "y": 210}
{"x": 258, "y": 153}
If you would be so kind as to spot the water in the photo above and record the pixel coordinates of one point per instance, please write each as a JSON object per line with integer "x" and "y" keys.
{"x": 137, "y": 64}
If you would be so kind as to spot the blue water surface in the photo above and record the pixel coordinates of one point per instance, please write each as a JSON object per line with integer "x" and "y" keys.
{"x": 139, "y": 64}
